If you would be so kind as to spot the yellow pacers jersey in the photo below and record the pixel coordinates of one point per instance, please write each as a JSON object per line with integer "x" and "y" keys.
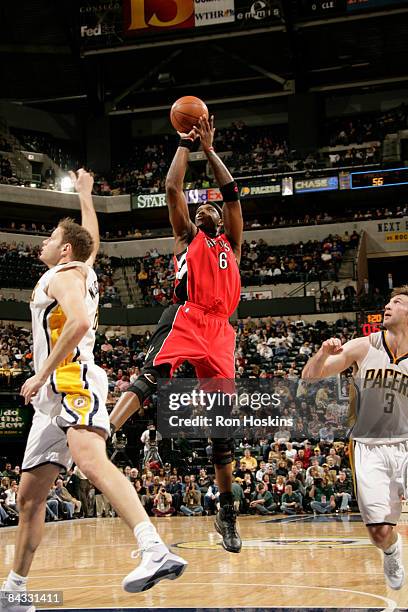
{"x": 48, "y": 318}
{"x": 380, "y": 395}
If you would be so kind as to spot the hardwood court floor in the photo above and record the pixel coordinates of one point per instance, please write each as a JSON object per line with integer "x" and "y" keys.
{"x": 323, "y": 562}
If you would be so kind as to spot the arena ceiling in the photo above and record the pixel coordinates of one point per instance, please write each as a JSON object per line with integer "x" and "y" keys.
{"x": 41, "y": 62}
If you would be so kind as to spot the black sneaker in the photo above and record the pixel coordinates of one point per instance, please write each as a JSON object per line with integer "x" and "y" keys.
{"x": 226, "y": 525}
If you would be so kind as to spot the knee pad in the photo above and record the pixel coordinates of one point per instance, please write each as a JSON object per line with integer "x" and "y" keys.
{"x": 223, "y": 451}
{"x": 144, "y": 386}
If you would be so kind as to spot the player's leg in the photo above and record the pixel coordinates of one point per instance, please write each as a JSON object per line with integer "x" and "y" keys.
{"x": 131, "y": 401}
{"x": 32, "y": 496}
{"x": 219, "y": 367}
{"x": 379, "y": 500}
{"x": 88, "y": 450}
{"x": 226, "y": 517}
{"x": 387, "y": 539}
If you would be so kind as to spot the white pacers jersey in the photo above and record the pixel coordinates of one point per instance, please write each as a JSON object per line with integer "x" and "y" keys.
{"x": 380, "y": 395}
{"x": 48, "y": 318}
{"x": 76, "y": 392}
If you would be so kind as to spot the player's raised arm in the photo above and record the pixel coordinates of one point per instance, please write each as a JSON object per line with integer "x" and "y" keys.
{"x": 184, "y": 229}
{"x": 231, "y": 211}
{"x": 83, "y": 183}
{"x": 333, "y": 358}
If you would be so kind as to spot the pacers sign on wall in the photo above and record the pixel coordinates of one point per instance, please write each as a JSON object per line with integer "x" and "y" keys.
{"x": 150, "y": 15}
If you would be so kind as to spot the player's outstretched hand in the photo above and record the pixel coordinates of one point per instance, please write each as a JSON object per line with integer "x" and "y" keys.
{"x": 192, "y": 135}
{"x": 206, "y": 131}
{"x": 31, "y": 387}
{"x": 332, "y": 346}
{"x": 83, "y": 181}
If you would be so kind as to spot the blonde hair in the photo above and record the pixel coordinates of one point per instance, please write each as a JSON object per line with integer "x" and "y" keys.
{"x": 400, "y": 291}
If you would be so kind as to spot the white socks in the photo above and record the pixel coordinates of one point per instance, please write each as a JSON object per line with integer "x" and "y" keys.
{"x": 146, "y": 535}
{"x": 15, "y": 582}
{"x": 391, "y": 549}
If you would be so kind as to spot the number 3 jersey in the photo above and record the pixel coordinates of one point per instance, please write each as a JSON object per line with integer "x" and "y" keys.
{"x": 207, "y": 274}
{"x": 48, "y": 318}
{"x": 379, "y": 398}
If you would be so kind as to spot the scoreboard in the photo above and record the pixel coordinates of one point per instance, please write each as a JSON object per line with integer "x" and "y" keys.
{"x": 379, "y": 178}
{"x": 369, "y": 321}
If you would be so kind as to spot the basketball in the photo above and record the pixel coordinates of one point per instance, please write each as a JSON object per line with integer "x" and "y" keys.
{"x": 185, "y": 113}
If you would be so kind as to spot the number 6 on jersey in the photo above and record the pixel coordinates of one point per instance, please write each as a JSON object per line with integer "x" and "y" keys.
{"x": 223, "y": 261}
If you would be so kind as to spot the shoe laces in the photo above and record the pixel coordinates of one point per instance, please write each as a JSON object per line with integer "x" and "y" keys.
{"x": 230, "y": 517}
{"x": 393, "y": 565}
{"x": 137, "y": 553}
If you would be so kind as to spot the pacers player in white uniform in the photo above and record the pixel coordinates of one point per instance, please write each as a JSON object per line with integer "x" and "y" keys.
{"x": 68, "y": 392}
{"x": 379, "y": 437}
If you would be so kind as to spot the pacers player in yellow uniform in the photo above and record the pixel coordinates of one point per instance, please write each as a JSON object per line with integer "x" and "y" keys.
{"x": 380, "y": 433}
{"x": 68, "y": 392}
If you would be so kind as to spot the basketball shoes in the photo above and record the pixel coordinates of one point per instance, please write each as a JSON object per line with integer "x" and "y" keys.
{"x": 226, "y": 525}
{"x": 157, "y": 563}
{"x": 393, "y": 567}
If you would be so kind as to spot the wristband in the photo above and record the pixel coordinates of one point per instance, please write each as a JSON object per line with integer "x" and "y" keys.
{"x": 230, "y": 192}
{"x": 211, "y": 150}
{"x": 187, "y": 143}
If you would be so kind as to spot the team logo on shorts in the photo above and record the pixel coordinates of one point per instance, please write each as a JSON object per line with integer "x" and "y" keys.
{"x": 80, "y": 402}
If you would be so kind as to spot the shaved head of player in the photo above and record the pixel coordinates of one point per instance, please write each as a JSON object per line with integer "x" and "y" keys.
{"x": 208, "y": 219}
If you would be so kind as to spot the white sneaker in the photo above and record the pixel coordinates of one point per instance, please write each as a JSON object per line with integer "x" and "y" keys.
{"x": 8, "y": 603}
{"x": 157, "y": 563}
{"x": 393, "y": 567}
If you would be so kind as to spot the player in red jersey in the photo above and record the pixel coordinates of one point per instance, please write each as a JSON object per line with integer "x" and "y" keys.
{"x": 207, "y": 291}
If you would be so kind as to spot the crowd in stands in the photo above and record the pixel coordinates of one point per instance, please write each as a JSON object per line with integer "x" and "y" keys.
{"x": 367, "y": 128}
{"x": 261, "y": 264}
{"x": 250, "y": 150}
{"x": 270, "y": 476}
{"x": 268, "y": 347}
{"x": 21, "y": 268}
{"x": 63, "y": 152}
{"x": 299, "y": 468}
{"x": 264, "y": 264}
{"x": 290, "y": 219}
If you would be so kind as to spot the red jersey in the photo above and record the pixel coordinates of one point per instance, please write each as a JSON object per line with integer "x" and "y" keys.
{"x": 207, "y": 274}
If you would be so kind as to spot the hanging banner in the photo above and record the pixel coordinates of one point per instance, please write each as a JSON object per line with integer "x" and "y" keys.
{"x": 213, "y": 12}
{"x": 257, "y": 12}
{"x": 151, "y": 16}
{"x": 14, "y": 419}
